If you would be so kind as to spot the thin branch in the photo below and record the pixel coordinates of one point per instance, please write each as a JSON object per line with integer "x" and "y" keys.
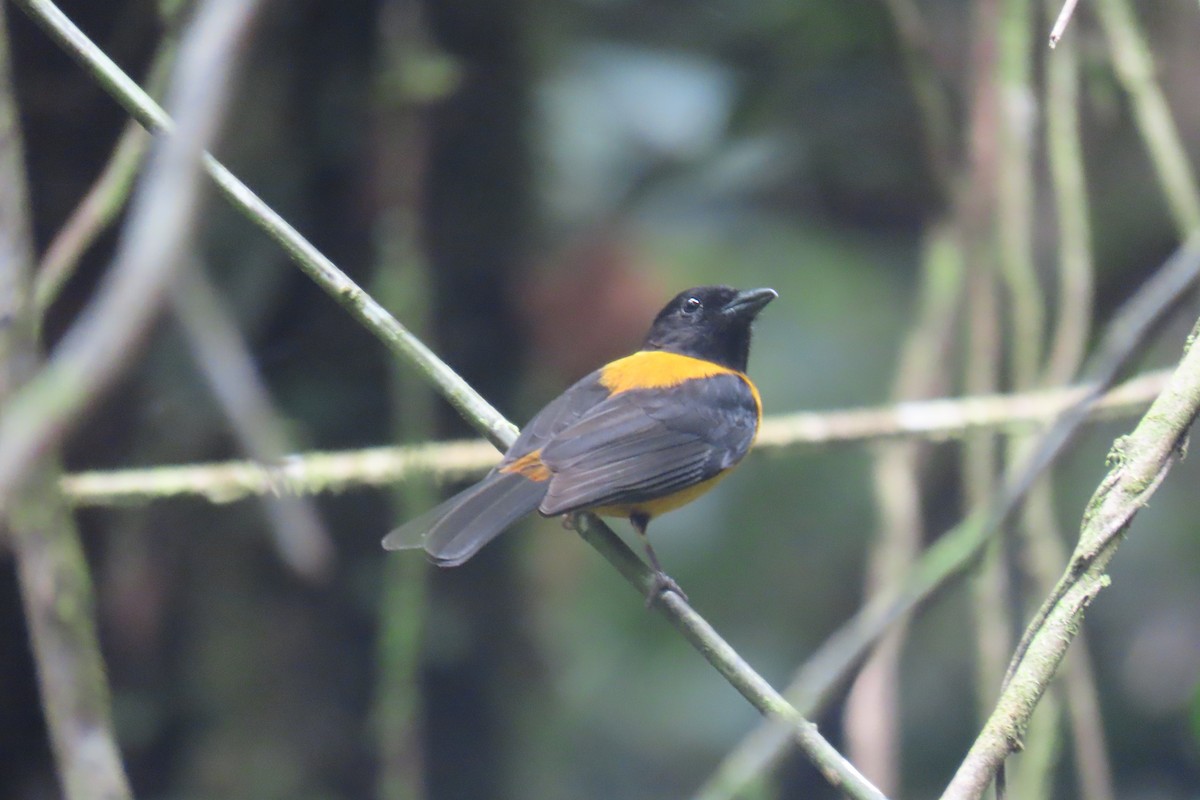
{"x": 312, "y": 261}
{"x": 299, "y": 535}
{"x": 871, "y": 720}
{"x": 449, "y": 462}
{"x": 1014, "y": 241}
{"x": 310, "y": 473}
{"x": 1093, "y": 767}
{"x": 979, "y": 479}
{"x": 945, "y": 419}
{"x": 836, "y": 770}
{"x": 1140, "y": 462}
{"x": 94, "y": 214}
{"x": 98, "y": 346}
{"x": 978, "y": 216}
{"x": 1060, "y": 24}
{"x": 873, "y": 705}
{"x": 476, "y": 410}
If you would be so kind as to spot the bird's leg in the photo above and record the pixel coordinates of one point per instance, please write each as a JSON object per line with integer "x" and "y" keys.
{"x": 662, "y": 581}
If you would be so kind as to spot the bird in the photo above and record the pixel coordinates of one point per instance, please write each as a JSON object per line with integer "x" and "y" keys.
{"x": 640, "y": 436}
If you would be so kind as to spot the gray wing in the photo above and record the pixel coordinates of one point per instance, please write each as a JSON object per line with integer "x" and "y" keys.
{"x": 642, "y": 445}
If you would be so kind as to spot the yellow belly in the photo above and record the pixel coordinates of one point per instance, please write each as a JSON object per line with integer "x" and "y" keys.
{"x": 661, "y": 505}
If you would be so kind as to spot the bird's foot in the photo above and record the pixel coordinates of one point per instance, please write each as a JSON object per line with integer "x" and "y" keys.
{"x": 663, "y": 583}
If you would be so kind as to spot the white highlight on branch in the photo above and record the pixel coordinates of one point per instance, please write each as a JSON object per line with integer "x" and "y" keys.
{"x": 1060, "y": 24}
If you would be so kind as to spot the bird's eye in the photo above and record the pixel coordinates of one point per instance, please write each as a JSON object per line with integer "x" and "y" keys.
{"x": 691, "y": 305}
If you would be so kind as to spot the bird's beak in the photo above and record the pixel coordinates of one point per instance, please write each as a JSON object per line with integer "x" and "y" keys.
{"x": 748, "y": 303}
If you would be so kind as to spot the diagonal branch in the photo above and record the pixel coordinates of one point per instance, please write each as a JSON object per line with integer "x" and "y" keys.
{"x": 1060, "y": 24}
{"x": 224, "y": 359}
{"x": 473, "y": 407}
{"x": 308, "y": 258}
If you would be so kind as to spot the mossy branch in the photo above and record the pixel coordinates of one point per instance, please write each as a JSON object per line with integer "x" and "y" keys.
{"x": 1139, "y": 462}
{"x": 449, "y": 462}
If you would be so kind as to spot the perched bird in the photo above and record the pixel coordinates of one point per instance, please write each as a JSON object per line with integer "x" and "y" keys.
{"x": 638, "y": 437}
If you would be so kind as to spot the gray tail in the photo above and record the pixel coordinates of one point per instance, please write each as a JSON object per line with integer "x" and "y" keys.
{"x": 455, "y": 530}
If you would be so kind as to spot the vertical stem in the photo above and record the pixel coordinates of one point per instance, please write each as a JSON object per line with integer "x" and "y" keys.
{"x": 1064, "y": 147}
{"x": 990, "y": 584}
{"x": 401, "y": 281}
{"x": 872, "y": 707}
{"x": 56, "y": 588}
{"x": 982, "y": 367}
{"x": 1134, "y": 64}
{"x": 1073, "y": 327}
{"x": 1014, "y": 201}
{"x": 1014, "y": 241}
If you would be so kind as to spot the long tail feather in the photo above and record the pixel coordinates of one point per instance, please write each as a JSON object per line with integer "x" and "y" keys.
{"x": 455, "y": 530}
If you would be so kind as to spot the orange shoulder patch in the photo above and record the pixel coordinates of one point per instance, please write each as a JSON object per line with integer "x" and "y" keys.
{"x": 657, "y": 369}
{"x": 530, "y": 466}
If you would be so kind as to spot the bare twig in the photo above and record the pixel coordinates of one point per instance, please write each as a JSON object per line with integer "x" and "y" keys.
{"x": 92, "y": 216}
{"x": 1140, "y": 461}
{"x": 839, "y": 772}
{"x": 988, "y": 207}
{"x": 1060, "y": 24}
{"x": 1027, "y": 303}
{"x": 1017, "y": 107}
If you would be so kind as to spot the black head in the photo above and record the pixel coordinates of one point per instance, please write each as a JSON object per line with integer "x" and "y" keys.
{"x": 709, "y": 322}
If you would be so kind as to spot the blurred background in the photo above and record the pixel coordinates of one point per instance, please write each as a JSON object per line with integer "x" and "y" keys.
{"x": 525, "y": 184}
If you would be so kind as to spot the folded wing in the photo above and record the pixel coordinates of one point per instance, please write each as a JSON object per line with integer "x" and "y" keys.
{"x": 642, "y": 445}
